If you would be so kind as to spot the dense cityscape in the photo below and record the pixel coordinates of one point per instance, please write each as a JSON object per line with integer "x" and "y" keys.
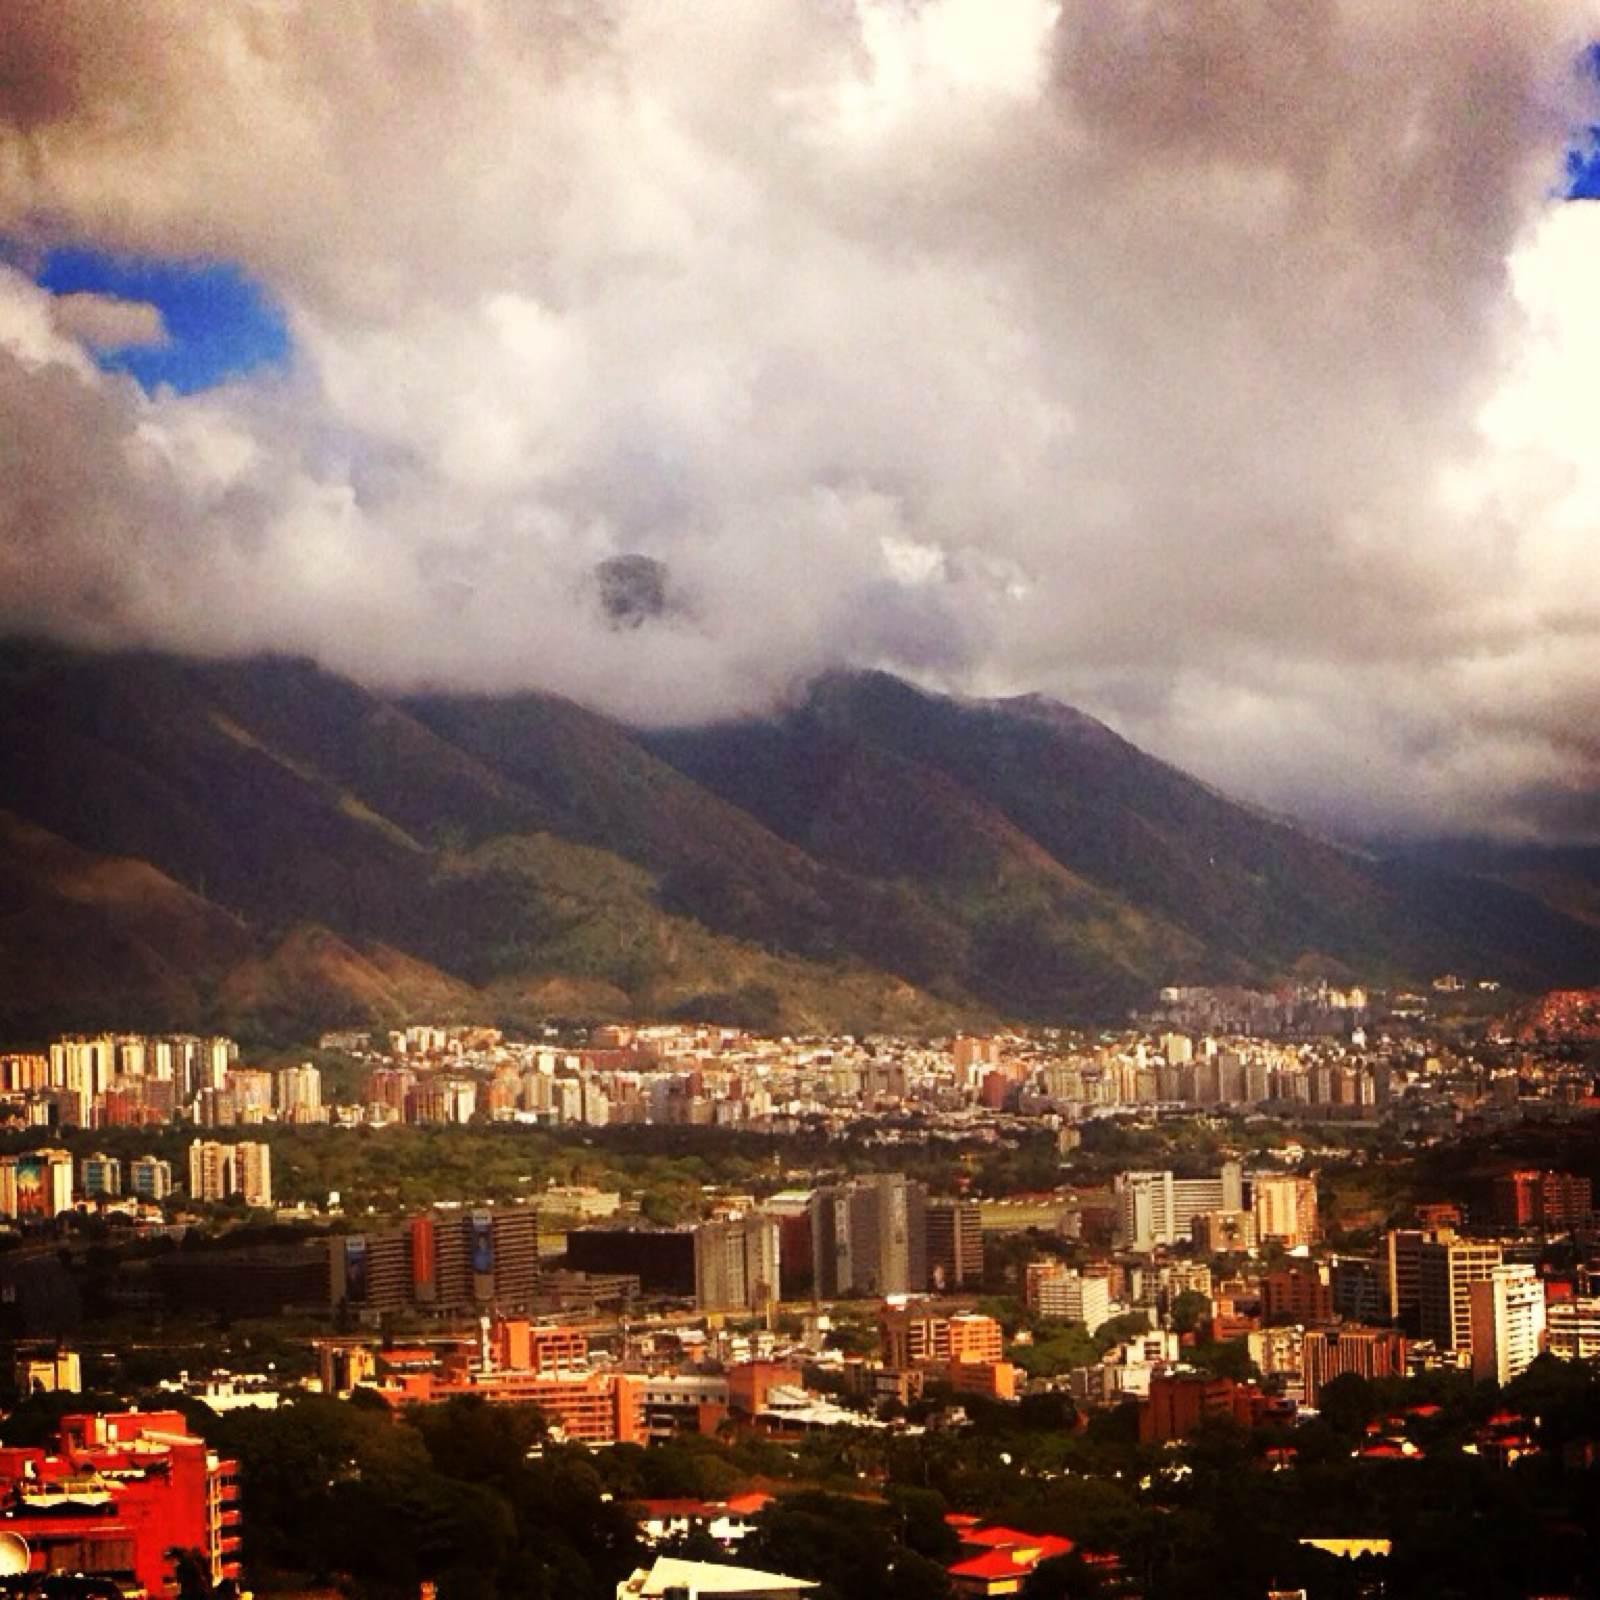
{"x": 776, "y": 1264}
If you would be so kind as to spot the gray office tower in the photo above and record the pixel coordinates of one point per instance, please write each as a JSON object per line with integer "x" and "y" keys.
{"x": 870, "y": 1237}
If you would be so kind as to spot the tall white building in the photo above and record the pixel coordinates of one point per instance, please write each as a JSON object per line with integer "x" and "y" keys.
{"x": 596, "y": 1104}
{"x": 252, "y": 1173}
{"x": 83, "y": 1065}
{"x": 1155, "y": 1208}
{"x": 1060, "y": 1294}
{"x": 1447, "y": 1267}
{"x": 220, "y": 1171}
{"x": 1285, "y": 1208}
{"x": 1508, "y": 1322}
{"x": 298, "y": 1093}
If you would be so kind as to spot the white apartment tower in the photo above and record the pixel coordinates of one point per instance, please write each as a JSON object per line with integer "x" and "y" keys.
{"x": 220, "y": 1171}
{"x": 1508, "y": 1322}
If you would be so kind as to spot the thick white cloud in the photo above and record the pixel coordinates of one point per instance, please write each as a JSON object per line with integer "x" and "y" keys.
{"x": 1218, "y": 368}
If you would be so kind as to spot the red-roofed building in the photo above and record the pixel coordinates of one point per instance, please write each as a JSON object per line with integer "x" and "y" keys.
{"x": 119, "y": 1497}
{"x": 998, "y": 1560}
{"x": 727, "y": 1521}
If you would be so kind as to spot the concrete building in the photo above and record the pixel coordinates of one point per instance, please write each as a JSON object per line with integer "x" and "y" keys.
{"x": 55, "y": 1371}
{"x": 1357, "y": 1285}
{"x": 1285, "y": 1209}
{"x": 1508, "y": 1322}
{"x": 1446, "y": 1269}
{"x": 1404, "y": 1271}
{"x": 101, "y": 1176}
{"x": 253, "y": 1173}
{"x": 117, "y": 1496}
{"x": 37, "y": 1184}
{"x": 220, "y": 1171}
{"x": 1181, "y": 1402}
{"x": 737, "y": 1264}
{"x": 870, "y": 1237}
{"x": 955, "y": 1244}
{"x": 1328, "y": 1353}
{"x": 149, "y": 1178}
{"x": 453, "y": 1261}
{"x": 1298, "y": 1292}
{"x": 251, "y": 1089}
{"x": 1221, "y": 1233}
{"x": 298, "y": 1094}
{"x": 1548, "y": 1200}
{"x": 1572, "y": 1328}
{"x": 1156, "y": 1208}
{"x": 914, "y": 1336}
{"x": 1061, "y": 1294}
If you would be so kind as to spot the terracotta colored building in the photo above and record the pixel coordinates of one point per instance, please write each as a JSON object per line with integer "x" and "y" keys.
{"x": 1297, "y": 1293}
{"x": 118, "y": 1496}
{"x": 592, "y": 1407}
{"x": 1180, "y": 1402}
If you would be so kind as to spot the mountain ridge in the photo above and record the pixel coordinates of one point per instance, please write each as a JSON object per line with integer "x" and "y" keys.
{"x": 873, "y": 855}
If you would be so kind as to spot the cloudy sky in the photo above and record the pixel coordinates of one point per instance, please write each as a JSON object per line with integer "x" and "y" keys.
{"x": 1223, "y": 368}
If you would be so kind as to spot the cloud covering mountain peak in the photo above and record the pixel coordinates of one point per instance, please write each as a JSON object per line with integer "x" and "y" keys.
{"x": 1217, "y": 368}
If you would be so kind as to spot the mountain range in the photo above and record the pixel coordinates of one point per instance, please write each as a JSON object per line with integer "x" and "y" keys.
{"x": 263, "y": 847}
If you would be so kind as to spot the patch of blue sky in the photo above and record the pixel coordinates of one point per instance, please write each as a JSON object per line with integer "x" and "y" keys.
{"x": 1583, "y": 163}
{"x": 1583, "y": 170}
{"x": 220, "y": 324}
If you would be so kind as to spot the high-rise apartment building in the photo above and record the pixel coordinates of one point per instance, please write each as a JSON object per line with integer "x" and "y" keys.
{"x": 149, "y": 1178}
{"x": 210, "y": 1170}
{"x": 955, "y": 1243}
{"x": 253, "y": 1173}
{"x": 1446, "y": 1269}
{"x": 870, "y": 1237}
{"x": 86, "y": 1065}
{"x": 251, "y": 1090}
{"x": 1507, "y": 1321}
{"x": 221, "y": 1171}
{"x": 1285, "y": 1209}
{"x": 37, "y": 1184}
{"x": 298, "y": 1094}
{"x": 736, "y": 1264}
{"x": 101, "y": 1176}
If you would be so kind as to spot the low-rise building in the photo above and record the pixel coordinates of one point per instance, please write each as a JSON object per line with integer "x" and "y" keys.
{"x": 120, "y": 1497}
{"x": 1572, "y": 1328}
